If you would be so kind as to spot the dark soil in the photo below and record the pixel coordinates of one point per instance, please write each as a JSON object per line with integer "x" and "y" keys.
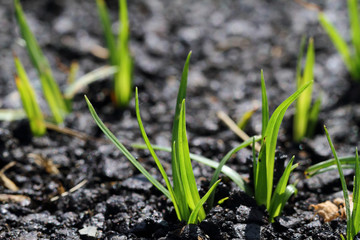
{"x": 231, "y": 41}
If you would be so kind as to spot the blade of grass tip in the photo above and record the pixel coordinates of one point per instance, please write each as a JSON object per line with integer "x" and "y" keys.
{"x": 337, "y": 40}
{"x": 278, "y": 200}
{"x": 233, "y": 175}
{"x": 356, "y": 201}
{"x": 343, "y": 184}
{"x": 265, "y": 107}
{"x": 314, "y": 169}
{"x": 127, "y": 154}
{"x": 353, "y": 10}
{"x": 223, "y": 162}
{"x": 194, "y": 214}
{"x": 244, "y": 120}
{"x": 106, "y": 25}
{"x": 313, "y": 117}
{"x": 271, "y": 136}
{"x": 177, "y": 184}
{"x": 153, "y": 154}
{"x": 28, "y": 99}
{"x": 50, "y": 88}
{"x": 186, "y": 170}
{"x": 304, "y": 101}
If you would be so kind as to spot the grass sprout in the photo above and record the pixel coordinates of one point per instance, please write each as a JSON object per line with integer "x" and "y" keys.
{"x": 306, "y": 116}
{"x": 263, "y": 165}
{"x": 183, "y": 193}
{"x": 119, "y": 53}
{"x": 350, "y": 54}
{"x": 353, "y": 218}
{"x": 50, "y": 88}
{"x": 28, "y": 99}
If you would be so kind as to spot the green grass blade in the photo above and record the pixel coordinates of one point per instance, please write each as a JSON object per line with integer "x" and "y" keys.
{"x": 153, "y": 154}
{"x": 271, "y": 135}
{"x": 343, "y": 185}
{"x": 223, "y": 162}
{"x": 85, "y": 80}
{"x": 313, "y": 117}
{"x": 353, "y": 10}
{"x": 127, "y": 154}
{"x": 51, "y": 90}
{"x": 177, "y": 184}
{"x": 123, "y": 78}
{"x": 326, "y": 165}
{"x": 28, "y": 99}
{"x": 304, "y": 101}
{"x": 299, "y": 61}
{"x": 355, "y": 228}
{"x": 233, "y": 175}
{"x": 109, "y": 36}
{"x": 244, "y": 120}
{"x": 337, "y": 40}
{"x": 265, "y": 106}
{"x": 194, "y": 214}
{"x": 185, "y": 167}
{"x": 279, "y": 197}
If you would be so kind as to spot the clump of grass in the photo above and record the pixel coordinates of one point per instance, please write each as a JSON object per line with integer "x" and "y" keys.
{"x": 119, "y": 53}
{"x": 28, "y": 98}
{"x": 183, "y": 193}
{"x": 50, "y": 88}
{"x": 352, "y": 217}
{"x": 350, "y": 54}
{"x": 306, "y": 116}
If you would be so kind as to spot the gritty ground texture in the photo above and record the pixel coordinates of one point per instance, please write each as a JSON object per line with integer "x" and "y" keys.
{"x": 231, "y": 41}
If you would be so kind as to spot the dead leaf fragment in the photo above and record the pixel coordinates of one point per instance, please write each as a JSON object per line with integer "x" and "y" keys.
{"x": 22, "y": 199}
{"x": 331, "y": 210}
{"x": 46, "y": 163}
{"x": 4, "y": 180}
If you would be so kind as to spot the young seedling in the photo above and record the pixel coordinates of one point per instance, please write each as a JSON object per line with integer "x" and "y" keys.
{"x": 305, "y": 118}
{"x": 183, "y": 193}
{"x": 28, "y": 98}
{"x": 50, "y": 88}
{"x": 353, "y": 217}
{"x": 349, "y": 54}
{"x": 119, "y": 53}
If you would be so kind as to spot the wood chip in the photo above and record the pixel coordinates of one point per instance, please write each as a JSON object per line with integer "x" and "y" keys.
{"x": 22, "y": 199}
{"x": 332, "y": 210}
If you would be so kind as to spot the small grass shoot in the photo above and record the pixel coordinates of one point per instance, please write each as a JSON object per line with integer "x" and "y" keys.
{"x": 306, "y": 116}
{"x": 352, "y": 217}
{"x": 183, "y": 193}
{"x": 119, "y": 53}
{"x": 350, "y": 54}
{"x": 28, "y": 99}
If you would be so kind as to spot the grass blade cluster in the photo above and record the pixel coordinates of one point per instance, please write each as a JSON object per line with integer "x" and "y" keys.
{"x": 183, "y": 194}
{"x": 349, "y": 54}
{"x": 353, "y": 218}
{"x": 119, "y": 53}
{"x": 50, "y": 88}
{"x": 263, "y": 166}
{"x": 28, "y": 99}
{"x": 305, "y": 116}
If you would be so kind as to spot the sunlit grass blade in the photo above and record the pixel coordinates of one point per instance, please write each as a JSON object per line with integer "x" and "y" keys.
{"x": 223, "y": 162}
{"x": 343, "y": 185}
{"x": 299, "y": 61}
{"x": 85, "y": 80}
{"x": 244, "y": 120}
{"x": 106, "y": 25}
{"x": 50, "y": 88}
{"x": 313, "y": 117}
{"x": 355, "y": 228}
{"x": 233, "y": 175}
{"x": 337, "y": 40}
{"x": 12, "y": 114}
{"x": 280, "y": 197}
{"x": 28, "y": 99}
{"x": 127, "y": 154}
{"x": 123, "y": 78}
{"x": 153, "y": 154}
{"x": 328, "y": 165}
{"x": 265, "y": 164}
{"x": 265, "y": 106}
{"x": 199, "y": 205}
{"x": 303, "y": 103}
{"x": 183, "y": 157}
{"x": 354, "y": 20}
